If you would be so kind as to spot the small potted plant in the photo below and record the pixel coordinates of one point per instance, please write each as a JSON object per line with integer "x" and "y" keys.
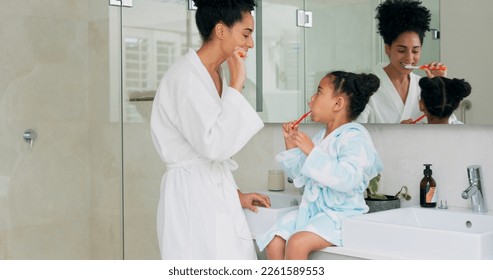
{"x": 380, "y": 202}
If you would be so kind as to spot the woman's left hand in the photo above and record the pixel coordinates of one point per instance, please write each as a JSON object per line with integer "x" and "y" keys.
{"x": 435, "y": 69}
{"x": 252, "y": 200}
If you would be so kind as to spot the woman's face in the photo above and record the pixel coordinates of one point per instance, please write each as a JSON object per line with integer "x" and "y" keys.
{"x": 322, "y": 102}
{"x": 406, "y": 49}
{"x": 240, "y": 34}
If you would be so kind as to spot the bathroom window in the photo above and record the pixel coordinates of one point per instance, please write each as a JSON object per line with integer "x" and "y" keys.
{"x": 137, "y": 63}
{"x": 147, "y": 55}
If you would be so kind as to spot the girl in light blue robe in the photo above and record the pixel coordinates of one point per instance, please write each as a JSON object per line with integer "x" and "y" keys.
{"x": 335, "y": 168}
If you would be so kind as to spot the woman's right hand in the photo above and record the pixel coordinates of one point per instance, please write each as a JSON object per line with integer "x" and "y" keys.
{"x": 435, "y": 69}
{"x": 237, "y": 71}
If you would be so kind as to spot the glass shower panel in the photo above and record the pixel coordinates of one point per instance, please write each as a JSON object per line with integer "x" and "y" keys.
{"x": 60, "y": 198}
{"x": 282, "y": 63}
{"x": 154, "y": 35}
{"x": 343, "y": 37}
{"x": 431, "y": 44}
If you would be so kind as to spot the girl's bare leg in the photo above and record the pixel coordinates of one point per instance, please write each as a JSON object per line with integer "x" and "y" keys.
{"x": 276, "y": 248}
{"x": 301, "y": 244}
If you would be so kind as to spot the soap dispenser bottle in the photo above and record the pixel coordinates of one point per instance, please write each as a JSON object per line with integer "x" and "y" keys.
{"x": 427, "y": 189}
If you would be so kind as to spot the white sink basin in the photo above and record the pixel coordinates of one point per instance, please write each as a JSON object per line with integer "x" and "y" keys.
{"x": 422, "y": 233}
{"x": 281, "y": 203}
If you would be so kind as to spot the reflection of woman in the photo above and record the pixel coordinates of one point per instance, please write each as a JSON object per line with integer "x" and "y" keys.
{"x": 402, "y": 25}
{"x": 198, "y": 122}
{"x": 440, "y": 97}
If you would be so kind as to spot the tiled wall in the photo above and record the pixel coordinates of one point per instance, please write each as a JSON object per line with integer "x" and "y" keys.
{"x": 62, "y": 198}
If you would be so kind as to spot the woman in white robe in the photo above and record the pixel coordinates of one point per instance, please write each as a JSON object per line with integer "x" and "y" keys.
{"x": 198, "y": 123}
{"x": 335, "y": 168}
{"x": 386, "y": 105}
{"x": 402, "y": 25}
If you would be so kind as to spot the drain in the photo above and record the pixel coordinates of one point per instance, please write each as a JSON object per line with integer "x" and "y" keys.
{"x": 468, "y": 224}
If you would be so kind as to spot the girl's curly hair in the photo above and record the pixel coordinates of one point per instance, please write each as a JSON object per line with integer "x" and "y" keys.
{"x": 442, "y": 95}
{"x": 357, "y": 87}
{"x": 398, "y": 16}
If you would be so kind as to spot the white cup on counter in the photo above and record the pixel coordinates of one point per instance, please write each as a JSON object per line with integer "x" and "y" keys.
{"x": 275, "y": 180}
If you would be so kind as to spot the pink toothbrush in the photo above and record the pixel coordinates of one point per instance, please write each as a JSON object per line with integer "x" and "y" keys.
{"x": 302, "y": 118}
{"x": 418, "y": 119}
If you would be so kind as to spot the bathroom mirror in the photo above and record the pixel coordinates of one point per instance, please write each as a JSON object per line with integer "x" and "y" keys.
{"x": 288, "y": 60}
{"x": 464, "y": 47}
{"x": 297, "y": 51}
{"x": 332, "y": 35}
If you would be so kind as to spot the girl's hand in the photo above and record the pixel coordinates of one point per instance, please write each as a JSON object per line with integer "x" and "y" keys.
{"x": 252, "y": 200}
{"x": 237, "y": 72}
{"x": 287, "y": 131}
{"x": 303, "y": 141}
{"x": 435, "y": 69}
{"x": 408, "y": 121}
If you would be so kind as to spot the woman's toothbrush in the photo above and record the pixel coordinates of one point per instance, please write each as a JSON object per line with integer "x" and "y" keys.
{"x": 422, "y": 67}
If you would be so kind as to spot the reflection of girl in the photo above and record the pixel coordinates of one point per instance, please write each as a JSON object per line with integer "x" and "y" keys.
{"x": 402, "y": 25}
{"x": 198, "y": 123}
{"x": 335, "y": 168}
{"x": 441, "y": 96}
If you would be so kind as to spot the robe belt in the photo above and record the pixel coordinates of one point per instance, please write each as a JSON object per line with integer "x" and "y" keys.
{"x": 221, "y": 171}
{"x": 217, "y": 167}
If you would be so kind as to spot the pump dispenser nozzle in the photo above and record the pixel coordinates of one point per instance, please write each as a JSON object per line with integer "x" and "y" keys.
{"x": 427, "y": 171}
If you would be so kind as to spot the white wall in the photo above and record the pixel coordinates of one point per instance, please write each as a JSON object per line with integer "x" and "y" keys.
{"x": 466, "y": 49}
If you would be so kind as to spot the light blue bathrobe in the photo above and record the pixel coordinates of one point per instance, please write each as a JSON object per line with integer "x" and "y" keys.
{"x": 335, "y": 175}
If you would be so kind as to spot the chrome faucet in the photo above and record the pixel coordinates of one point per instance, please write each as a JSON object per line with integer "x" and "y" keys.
{"x": 302, "y": 189}
{"x": 474, "y": 191}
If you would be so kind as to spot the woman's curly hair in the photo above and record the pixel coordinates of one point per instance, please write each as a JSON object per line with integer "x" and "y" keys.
{"x": 211, "y": 12}
{"x": 398, "y": 16}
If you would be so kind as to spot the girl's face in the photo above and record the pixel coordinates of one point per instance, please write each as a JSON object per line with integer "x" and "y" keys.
{"x": 239, "y": 35}
{"x": 406, "y": 49}
{"x": 323, "y": 101}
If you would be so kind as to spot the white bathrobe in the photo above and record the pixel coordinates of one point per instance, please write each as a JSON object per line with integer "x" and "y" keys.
{"x": 386, "y": 105}
{"x": 196, "y": 133}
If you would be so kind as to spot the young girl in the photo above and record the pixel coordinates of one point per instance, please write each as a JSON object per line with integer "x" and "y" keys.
{"x": 440, "y": 97}
{"x": 335, "y": 168}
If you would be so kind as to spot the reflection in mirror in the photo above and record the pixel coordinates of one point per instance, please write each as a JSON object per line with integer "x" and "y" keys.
{"x": 153, "y": 35}
{"x": 281, "y": 72}
{"x": 403, "y": 27}
{"x": 343, "y": 37}
{"x": 464, "y": 46}
{"x": 293, "y": 57}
